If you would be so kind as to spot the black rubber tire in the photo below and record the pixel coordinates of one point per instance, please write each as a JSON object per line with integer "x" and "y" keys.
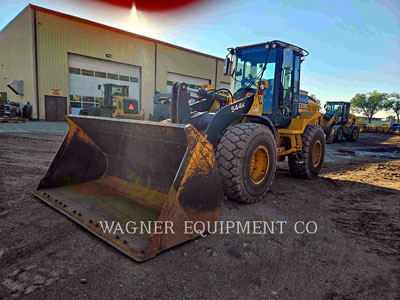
{"x": 337, "y": 138}
{"x": 350, "y": 137}
{"x": 233, "y": 158}
{"x": 306, "y": 169}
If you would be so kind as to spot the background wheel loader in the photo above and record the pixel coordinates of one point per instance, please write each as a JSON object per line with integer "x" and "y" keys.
{"x": 162, "y": 101}
{"x": 139, "y": 171}
{"x": 338, "y": 123}
{"x": 117, "y": 104}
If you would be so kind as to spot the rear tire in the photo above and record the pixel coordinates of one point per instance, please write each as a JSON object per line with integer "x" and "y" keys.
{"x": 246, "y": 158}
{"x": 354, "y": 132}
{"x": 312, "y": 154}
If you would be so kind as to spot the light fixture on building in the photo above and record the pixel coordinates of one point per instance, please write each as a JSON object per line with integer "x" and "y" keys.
{"x": 17, "y": 86}
{"x": 108, "y": 55}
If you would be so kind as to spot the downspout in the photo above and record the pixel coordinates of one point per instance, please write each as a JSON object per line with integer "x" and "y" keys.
{"x": 216, "y": 73}
{"x": 155, "y": 68}
{"x": 36, "y": 66}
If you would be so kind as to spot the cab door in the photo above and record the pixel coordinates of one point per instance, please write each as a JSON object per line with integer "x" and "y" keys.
{"x": 285, "y": 110}
{"x": 346, "y": 111}
{"x": 296, "y": 86}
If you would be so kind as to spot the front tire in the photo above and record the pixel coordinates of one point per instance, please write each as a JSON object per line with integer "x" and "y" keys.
{"x": 308, "y": 163}
{"x": 246, "y": 158}
{"x": 339, "y": 133}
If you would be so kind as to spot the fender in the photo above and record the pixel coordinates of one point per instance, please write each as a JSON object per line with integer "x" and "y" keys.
{"x": 225, "y": 117}
{"x": 262, "y": 119}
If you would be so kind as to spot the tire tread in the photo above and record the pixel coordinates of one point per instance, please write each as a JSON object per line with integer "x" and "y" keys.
{"x": 229, "y": 155}
{"x": 302, "y": 170}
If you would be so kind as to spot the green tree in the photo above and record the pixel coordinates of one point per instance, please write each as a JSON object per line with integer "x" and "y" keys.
{"x": 318, "y": 101}
{"x": 368, "y": 104}
{"x": 391, "y": 118}
{"x": 393, "y": 103}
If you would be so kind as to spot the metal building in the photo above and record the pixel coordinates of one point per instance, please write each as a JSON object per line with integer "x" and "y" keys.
{"x": 60, "y": 61}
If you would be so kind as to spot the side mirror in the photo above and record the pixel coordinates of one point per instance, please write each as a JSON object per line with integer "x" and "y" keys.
{"x": 324, "y": 106}
{"x": 227, "y": 66}
{"x": 99, "y": 87}
{"x": 288, "y": 58}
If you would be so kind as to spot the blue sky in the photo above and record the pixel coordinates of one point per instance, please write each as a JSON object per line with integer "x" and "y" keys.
{"x": 354, "y": 44}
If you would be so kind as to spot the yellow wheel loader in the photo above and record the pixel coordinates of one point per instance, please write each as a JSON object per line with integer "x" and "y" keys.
{"x": 117, "y": 104}
{"x": 338, "y": 123}
{"x": 307, "y": 103}
{"x": 158, "y": 184}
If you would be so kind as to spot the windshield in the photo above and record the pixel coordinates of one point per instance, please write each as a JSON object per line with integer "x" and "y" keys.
{"x": 249, "y": 64}
{"x": 332, "y": 108}
{"x": 118, "y": 90}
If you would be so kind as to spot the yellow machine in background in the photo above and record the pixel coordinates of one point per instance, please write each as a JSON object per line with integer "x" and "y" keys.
{"x": 338, "y": 123}
{"x": 117, "y": 103}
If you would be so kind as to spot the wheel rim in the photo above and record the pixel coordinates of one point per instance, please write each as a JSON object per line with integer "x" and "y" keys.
{"x": 355, "y": 134}
{"x": 317, "y": 153}
{"x": 259, "y": 164}
{"x": 339, "y": 135}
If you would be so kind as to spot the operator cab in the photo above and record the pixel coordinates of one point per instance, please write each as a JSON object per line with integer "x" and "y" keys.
{"x": 117, "y": 100}
{"x": 342, "y": 109}
{"x": 111, "y": 90}
{"x": 277, "y": 63}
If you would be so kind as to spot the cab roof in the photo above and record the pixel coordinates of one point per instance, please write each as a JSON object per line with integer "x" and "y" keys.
{"x": 337, "y": 102}
{"x": 298, "y": 49}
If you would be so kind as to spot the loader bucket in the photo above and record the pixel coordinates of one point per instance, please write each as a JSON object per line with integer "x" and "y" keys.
{"x": 118, "y": 178}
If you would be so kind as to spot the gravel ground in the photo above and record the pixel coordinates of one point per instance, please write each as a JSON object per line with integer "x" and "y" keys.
{"x": 34, "y": 127}
{"x": 353, "y": 255}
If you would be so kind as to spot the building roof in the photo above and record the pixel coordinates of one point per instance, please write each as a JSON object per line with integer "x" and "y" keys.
{"x": 63, "y": 15}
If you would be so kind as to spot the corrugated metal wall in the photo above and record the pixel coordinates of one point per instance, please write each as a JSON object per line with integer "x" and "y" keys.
{"x": 177, "y": 61}
{"x": 220, "y": 73}
{"x": 17, "y": 58}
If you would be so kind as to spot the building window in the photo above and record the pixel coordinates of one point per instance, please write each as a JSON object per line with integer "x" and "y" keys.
{"x": 112, "y": 76}
{"x": 123, "y": 78}
{"x": 171, "y": 83}
{"x": 100, "y": 74}
{"x": 99, "y": 101}
{"x": 74, "y": 98}
{"x": 75, "y": 101}
{"x": 88, "y": 105}
{"x": 76, "y": 104}
{"x": 87, "y": 72}
{"x": 75, "y": 71}
{"x": 134, "y": 79}
{"x": 192, "y": 86}
{"x": 87, "y": 99}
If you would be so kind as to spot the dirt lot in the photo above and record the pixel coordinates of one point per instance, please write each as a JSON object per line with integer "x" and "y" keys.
{"x": 353, "y": 255}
